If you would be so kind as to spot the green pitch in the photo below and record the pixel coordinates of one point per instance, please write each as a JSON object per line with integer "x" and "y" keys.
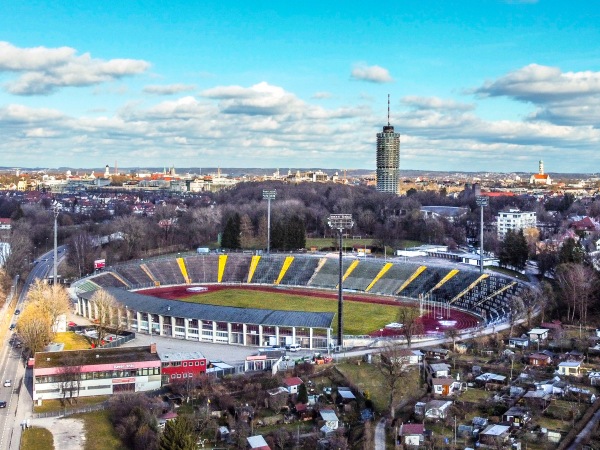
{"x": 359, "y": 318}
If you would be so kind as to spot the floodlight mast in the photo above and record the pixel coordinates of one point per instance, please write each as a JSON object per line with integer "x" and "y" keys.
{"x": 481, "y": 201}
{"x": 268, "y": 195}
{"x": 56, "y": 211}
{"x": 340, "y": 222}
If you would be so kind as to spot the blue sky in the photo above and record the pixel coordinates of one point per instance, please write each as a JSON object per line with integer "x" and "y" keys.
{"x": 474, "y": 85}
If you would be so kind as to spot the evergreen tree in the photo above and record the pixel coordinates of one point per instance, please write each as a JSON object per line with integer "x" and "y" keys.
{"x": 513, "y": 250}
{"x": 231, "y": 233}
{"x": 179, "y": 434}
{"x": 571, "y": 252}
{"x": 302, "y": 394}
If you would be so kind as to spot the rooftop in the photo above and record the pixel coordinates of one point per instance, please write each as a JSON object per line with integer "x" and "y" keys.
{"x": 120, "y": 355}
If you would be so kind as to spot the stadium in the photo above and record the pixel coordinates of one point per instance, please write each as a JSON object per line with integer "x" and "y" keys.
{"x": 153, "y": 294}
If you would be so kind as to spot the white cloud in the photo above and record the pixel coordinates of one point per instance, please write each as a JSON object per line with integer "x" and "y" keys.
{"x": 566, "y": 98}
{"x": 322, "y": 95}
{"x": 168, "y": 89}
{"x": 373, "y": 74}
{"x": 435, "y": 103}
{"x": 44, "y": 70}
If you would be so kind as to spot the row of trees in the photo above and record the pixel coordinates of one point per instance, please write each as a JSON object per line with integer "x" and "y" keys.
{"x": 286, "y": 233}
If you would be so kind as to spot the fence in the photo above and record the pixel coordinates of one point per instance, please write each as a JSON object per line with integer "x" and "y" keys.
{"x": 70, "y": 411}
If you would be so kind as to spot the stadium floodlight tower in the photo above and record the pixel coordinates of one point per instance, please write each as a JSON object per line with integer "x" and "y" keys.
{"x": 56, "y": 211}
{"x": 268, "y": 195}
{"x": 340, "y": 222}
{"x": 482, "y": 201}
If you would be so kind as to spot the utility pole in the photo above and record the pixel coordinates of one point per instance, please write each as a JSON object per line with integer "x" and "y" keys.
{"x": 56, "y": 210}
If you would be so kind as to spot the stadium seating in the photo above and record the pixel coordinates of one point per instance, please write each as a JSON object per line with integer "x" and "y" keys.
{"x": 488, "y": 295}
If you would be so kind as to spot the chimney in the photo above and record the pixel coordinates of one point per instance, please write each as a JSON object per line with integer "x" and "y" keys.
{"x": 153, "y": 347}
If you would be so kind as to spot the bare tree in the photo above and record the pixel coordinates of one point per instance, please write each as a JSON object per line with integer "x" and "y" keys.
{"x": 411, "y": 323}
{"x": 104, "y": 307}
{"x": 577, "y": 284}
{"x": 393, "y": 365}
{"x": 69, "y": 374}
{"x": 516, "y": 309}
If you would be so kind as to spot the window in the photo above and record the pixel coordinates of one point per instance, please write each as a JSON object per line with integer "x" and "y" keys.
{"x": 185, "y": 364}
{"x": 173, "y": 376}
{"x": 178, "y": 375}
{"x": 197, "y": 363}
{"x": 185, "y": 375}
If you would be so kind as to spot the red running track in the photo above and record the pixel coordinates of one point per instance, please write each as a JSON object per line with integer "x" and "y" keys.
{"x": 432, "y": 322}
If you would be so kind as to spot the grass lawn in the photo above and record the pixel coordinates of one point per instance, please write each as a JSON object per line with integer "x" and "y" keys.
{"x": 72, "y": 341}
{"x": 368, "y": 378}
{"x": 57, "y": 405}
{"x": 359, "y": 318}
{"x": 474, "y": 395}
{"x": 99, "y": 432}
{"x": 35, "y": 438}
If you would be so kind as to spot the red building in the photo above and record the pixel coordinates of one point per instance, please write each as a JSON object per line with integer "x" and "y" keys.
{"x": 181, "y": 366}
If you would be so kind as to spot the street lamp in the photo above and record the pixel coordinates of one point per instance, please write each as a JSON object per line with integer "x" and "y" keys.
{"x": 481, "y": 201}
{"x": 340, "y": 222}
{"x": 268, "y": 195}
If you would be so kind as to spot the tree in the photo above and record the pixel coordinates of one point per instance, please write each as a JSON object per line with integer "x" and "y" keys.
{"x": 231, "y": 233}
{"x": 514, "y": 251}
{"x": 577, "y": 285}
{"x": 452, "y": 333}
{"x": 82, "y": 253}
{"x": 246, "y": 232}
{"x": 302, "y": 394}
{"x": 392, "y": 364}
{"x": 571, "y": 251}
{"x": 516, "y": 309}
{"x": 69, "y": 374}
{"x": 411, "y": 323}
{"x": 547, "y": 260}
{"x": 133, "y": 418}
{"x": 104, "y": 306}
{"x": 179, "y": 434}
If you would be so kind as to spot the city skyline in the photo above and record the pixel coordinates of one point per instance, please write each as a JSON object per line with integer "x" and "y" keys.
{"x": 479, "y": 86}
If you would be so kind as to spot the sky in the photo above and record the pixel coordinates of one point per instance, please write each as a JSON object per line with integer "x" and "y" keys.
{"x": 474, "y": 85}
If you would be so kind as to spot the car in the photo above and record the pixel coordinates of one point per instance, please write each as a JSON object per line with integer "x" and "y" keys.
{"x": 12, "y": 326}
{"x": 2, "y": 404}
{"x": 7, "y": 383}
{"x": 17, "y": 312}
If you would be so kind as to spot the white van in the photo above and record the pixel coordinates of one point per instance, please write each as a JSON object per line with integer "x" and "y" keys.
{"x": 295, "y": 347}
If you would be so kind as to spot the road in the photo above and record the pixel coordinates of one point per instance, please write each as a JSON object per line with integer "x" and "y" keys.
{"x": 18, "y": 396}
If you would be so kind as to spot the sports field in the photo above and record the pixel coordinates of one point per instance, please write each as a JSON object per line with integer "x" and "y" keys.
{"x": 362, "y": 314}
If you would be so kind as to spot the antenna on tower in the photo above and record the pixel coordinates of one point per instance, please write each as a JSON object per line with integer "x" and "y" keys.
{"x": 388, "y": 110}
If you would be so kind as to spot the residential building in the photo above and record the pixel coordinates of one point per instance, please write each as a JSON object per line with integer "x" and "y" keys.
{"x": 570, "y": 368}
{"x": 517, "y": 416}
{"x": 292, "y": 384}
{"x": 412, "y": 434}
{"x": 514, "y": 219}
{"x": 538, "y": 334}
{"x": 388, "y": 158}
{"x": 331, "y": 420}
{"x": 539, "y": 359}
{"x": 494, "y": 434}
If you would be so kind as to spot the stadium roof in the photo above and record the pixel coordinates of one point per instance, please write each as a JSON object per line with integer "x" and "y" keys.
{"x": 188, "y": 310}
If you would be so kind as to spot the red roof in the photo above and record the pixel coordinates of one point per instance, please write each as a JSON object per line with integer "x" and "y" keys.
{"x": 412, "y": 428}
{"x": 293, "y": 381}
{"x": 540, "y": 176}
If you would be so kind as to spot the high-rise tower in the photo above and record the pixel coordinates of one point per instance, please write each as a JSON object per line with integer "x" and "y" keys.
{"x": 388, "y": 158}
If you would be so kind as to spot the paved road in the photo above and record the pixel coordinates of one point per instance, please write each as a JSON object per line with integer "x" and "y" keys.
{"x": 18, "y": 396}
{"x": 380, "y": 435}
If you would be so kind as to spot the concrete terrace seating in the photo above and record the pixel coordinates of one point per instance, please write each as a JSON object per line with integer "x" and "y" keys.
{"x": 133, "y": 274}
{"x": 300, "y": 271}
{"x": 393, "y": 279}
{"x": 328, "y": 274}
{"x": 236, "y": 269}
{"x": 203, "y": 269}
{"x": 424, "y": 282}
{"x": 166, "y": 271}
{"x": 107, "y": 279}
{"x": 454, "y": 286}
{"x": 363, "y": 275}
{"x": 268, "y": 269}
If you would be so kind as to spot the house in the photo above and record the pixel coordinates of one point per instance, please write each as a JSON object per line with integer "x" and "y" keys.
{"x": 444, "y": 386}
{"x": 573, "y": 368}
{"x": 518, "y": 342}
{"x": 538, "y": 399}
{"x": 345, "y": 395}
{"x": 594, "y": 378}
{"x": 494, "y": 434}
{"x": 538, "y": 334}
{"x": 411, "y": 434}
{"x": 331, "y": 421}
{"x": 516, "y": 416}
{"x": 434, "y": 409}
{"x": 292, "y": 384}
{"x": 257, "y": 443}
{"x": 491, "y": 380}
{"x": 438, "y": 370}
{"x": 539, "y": 359}
{"x": 555, "y": 327}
